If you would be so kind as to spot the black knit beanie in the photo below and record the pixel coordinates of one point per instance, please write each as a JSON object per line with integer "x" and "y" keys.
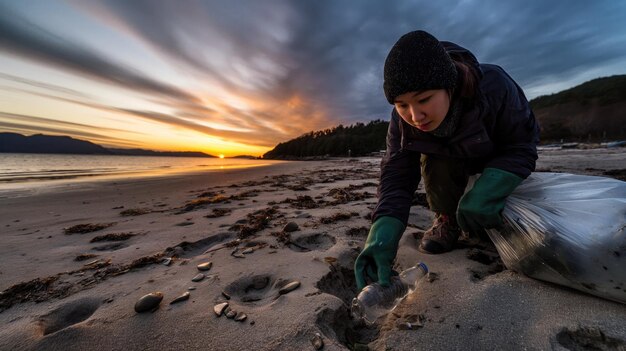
{"x": 417, "y": 62}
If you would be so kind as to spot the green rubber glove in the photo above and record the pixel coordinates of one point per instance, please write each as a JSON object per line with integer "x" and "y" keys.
{"x": 480, "y": 207}
{"x": 381, "y": 247}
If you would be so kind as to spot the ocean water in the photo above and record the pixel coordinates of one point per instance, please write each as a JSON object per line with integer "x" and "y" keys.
{"x": 29, "y": 170}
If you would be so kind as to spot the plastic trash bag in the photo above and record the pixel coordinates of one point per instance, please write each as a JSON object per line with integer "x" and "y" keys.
{"x": 567, "y": 229}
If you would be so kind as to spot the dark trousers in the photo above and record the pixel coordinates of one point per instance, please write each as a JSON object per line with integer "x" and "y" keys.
{"x": 445, "y": 180}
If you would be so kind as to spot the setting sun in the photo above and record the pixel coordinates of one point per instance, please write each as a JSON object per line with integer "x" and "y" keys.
{"x": 221, "y": 155}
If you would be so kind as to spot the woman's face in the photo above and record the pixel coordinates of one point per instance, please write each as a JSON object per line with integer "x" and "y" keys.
{"x": 423, "y": 110}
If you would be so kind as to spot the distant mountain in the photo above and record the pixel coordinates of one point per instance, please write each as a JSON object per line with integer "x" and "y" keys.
{"x": 48, "y": 144}
{"x": 52, "y": 144}
{"x": 592, "y": 111}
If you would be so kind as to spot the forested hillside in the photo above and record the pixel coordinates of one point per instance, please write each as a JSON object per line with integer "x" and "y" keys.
{"x": 355, "y": 140}
{"x": 592, "y": 111}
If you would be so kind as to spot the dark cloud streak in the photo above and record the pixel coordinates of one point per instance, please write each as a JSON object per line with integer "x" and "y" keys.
{"x": 50, "y": 121}
{"x": 203, "y": 37}
{"x": 36, "y": 84}
{"x": 21, "y": 37}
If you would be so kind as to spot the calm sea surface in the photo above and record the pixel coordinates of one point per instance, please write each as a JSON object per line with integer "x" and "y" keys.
{"x": 26, "y": 170}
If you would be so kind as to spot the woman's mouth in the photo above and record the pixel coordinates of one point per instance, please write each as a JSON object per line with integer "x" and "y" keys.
{"x": 422, "y": 126}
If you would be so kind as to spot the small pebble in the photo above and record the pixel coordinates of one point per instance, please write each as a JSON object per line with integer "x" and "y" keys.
{"x": 247, "y": 251}
{"x": 231, "y": 314}
{"x": 226, "y": 296}
{"x": 148, "y": 302}
{"x": 191, "y": 288}
{"x": 290, "y": 227}
{"x": 182, "y": 297}
{"x": 205, "y": 266}
{"x": 330, "y": 260}
{"x": 237, "y": 254}
{"x": 167, "y": 261}
{"x": 219, "y": 308}
{"x": 240, "y": 317}
{"x": 289, "y": 287}
{"x": 317, "y": 341}
{"x": 198, "y": 277}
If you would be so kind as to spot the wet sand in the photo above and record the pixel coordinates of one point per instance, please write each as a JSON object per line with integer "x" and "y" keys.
{"x": 76, "y": 259}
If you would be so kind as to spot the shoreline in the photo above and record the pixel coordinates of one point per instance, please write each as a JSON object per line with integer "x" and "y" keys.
{"x": 28, "y": 188}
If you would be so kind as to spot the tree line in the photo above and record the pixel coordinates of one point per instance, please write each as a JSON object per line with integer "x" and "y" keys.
{"x": 358, "y": 139}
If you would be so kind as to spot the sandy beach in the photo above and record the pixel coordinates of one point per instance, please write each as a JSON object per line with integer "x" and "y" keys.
{"x": 281, "y": 241}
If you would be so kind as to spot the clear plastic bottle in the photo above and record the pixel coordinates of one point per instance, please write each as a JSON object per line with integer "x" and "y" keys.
{"x": 375, "y": 300}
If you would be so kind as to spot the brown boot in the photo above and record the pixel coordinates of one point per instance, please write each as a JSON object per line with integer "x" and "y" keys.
{"x": 442, "y": 236}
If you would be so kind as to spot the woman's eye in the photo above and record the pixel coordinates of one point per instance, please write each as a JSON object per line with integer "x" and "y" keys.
{"x": 402, "y": 106}
{"x": 424, "y": 100}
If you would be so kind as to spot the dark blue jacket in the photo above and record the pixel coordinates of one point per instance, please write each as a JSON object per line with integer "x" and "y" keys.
{"x": 497, "y": 130}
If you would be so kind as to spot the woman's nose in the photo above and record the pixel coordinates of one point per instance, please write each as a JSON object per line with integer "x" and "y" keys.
{"x": 416, "y": 114}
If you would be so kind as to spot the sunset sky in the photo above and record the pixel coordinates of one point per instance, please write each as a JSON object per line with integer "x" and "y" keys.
{"x": 237, "y": 77}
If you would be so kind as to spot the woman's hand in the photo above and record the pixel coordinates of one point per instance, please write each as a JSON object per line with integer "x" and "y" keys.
{"x": 480, "y": 207}
{"x": 381, "y": 246}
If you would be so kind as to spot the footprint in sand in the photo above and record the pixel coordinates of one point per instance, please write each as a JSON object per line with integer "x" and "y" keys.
{"x": 339, "y": 282}
{"x": 189, "y": 249}
{"x": 310, "y": 242}
{"x": 588, "y": 338}
{"x": 256, "y": 290}
{"x": 67, "y": 315}
{"x": 110, "y": 247}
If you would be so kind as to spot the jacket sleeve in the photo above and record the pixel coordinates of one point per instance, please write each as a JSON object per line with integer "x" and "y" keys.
{"x": 516, "y": 132}
{"x": 399, "y": 176}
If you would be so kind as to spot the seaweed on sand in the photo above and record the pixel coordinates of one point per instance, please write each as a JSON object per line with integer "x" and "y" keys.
{"x": 255, "y": 222}
{"x": 86, "y": 228}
